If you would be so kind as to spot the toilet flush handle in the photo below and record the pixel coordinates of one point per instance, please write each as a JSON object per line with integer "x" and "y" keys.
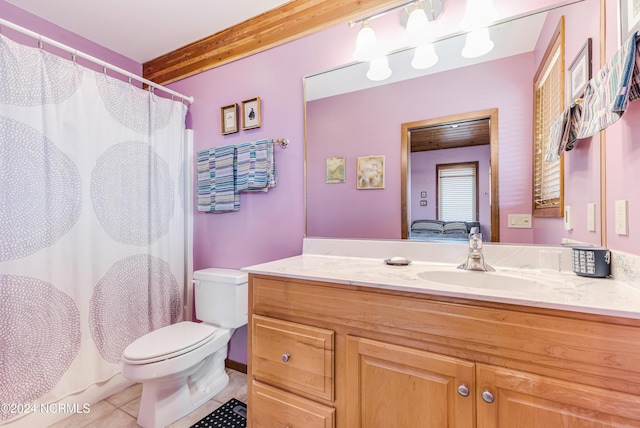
{"x": 285, "y": 357}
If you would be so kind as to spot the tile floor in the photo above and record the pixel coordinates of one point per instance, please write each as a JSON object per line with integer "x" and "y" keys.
{"x": 121, "y": 409}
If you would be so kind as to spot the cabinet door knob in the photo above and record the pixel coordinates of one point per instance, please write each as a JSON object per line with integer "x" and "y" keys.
{"x": 488, "y": 397}
{"x": 463, "y": 390}
{"x": 285, "y": 357}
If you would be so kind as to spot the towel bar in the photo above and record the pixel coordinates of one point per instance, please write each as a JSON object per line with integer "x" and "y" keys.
{"x": 284, "y": 142}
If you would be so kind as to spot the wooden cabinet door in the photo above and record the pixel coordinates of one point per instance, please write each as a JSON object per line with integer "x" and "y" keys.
{"x": 273, "y": 408}
{"x": 525, "y": 400}
{"x": 390, "y": 386}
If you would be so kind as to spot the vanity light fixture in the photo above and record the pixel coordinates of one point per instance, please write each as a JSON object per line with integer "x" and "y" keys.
{"x": 418, "y": 19}
{"x": 379, "y": 69}
{"x": 366, "y": 43}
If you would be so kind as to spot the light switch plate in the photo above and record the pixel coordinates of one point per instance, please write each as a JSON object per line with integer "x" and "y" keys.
{"x": 519, "y": 221}
{"x": 568, "y": 217}
{"x": 591, "y": 217}
{"x": 622, "y": 213}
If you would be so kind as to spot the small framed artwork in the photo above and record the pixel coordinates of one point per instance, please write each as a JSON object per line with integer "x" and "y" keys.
{"x": 335, "y": 170}
{"x": 229, "y": 119}
{"x": 580, "y": 71}
{"x": 423, "y": 203}
{"x": 628, "y": 18}
{"x": 370, "y": 172}
{"x": 251, "y": 113}
{"x": 423, "y": 194}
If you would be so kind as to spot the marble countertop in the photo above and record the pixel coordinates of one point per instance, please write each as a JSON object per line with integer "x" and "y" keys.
{"x": 555, "y": 290}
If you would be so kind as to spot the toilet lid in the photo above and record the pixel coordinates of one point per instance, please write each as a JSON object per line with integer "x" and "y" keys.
{"x": 168, "y": 342}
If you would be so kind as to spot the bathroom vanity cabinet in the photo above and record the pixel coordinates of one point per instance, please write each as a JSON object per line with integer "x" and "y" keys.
{"x": 333, "y": 355}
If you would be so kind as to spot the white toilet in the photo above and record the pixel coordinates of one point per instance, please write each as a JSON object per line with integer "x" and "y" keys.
{"x": 181, "y": 366}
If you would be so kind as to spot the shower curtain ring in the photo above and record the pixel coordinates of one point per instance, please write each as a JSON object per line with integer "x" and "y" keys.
{"x": 40, "y": 44}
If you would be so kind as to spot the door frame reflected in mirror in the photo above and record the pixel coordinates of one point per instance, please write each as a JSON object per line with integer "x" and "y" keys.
{"x": 405, "y": 147}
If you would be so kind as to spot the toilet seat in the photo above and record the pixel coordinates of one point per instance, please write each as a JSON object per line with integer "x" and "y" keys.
{"x": 169, "y": 342}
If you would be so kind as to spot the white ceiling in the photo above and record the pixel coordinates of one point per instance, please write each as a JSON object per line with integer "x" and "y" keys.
{"x": 146, "y": 29}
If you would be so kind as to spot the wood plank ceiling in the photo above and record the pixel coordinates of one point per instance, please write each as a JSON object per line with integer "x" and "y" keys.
{"x": 451, "y": 135}
{"x": 291, "y": 21}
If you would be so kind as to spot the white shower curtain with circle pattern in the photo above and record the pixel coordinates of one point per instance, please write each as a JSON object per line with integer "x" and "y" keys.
{"x": 91, "y": 222}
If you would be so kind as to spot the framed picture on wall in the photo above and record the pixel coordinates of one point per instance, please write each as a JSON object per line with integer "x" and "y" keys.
{"x": 370, "y": 172}
{"x": 628, "y": 18}
{"x": 251, "y": 113}
{"x": 229, "y": 119}
{"x": 580, "y": 72}
{"x": 335, "y": 170}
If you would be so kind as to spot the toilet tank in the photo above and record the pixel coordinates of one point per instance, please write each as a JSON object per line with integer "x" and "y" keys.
{"x": 221, "y": 296}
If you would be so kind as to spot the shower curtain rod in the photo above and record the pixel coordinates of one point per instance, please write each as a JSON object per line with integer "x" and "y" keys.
{"x": 75, "y": 53}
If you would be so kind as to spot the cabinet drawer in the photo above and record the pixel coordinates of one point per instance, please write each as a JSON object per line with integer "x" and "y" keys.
{"x": 293, "y": 356}
{"x": 276, "y": 408}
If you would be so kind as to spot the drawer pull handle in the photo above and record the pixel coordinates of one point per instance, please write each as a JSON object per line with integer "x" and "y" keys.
{"x": 463, "y": 390}
{"x": 285, "y": 357}
{"x": 487, "y": 397}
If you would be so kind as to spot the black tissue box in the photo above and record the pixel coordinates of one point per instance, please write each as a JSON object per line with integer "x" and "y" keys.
{"x": 594, "y": 262}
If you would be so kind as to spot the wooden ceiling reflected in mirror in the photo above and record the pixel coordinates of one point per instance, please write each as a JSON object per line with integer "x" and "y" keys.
{"x": 451, "y": 135}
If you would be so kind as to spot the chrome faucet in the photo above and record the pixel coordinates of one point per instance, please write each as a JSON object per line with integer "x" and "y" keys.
{"x": 475, "y": 258}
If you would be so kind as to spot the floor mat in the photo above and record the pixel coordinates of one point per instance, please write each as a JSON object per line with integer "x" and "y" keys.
{"x": 232, "y": 414}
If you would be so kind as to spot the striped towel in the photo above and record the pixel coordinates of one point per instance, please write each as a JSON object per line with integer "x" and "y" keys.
{"x": 605, "y": 100}
{"x": 558, "y": 135}
{"x": 216, "y": 180}
{"x": 256, "y": 170}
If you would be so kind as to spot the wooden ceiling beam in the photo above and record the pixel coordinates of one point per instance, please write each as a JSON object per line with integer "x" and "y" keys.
{"x": 291, "y": 21}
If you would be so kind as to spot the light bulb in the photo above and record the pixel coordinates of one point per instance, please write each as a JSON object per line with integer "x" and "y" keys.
{"x": 424, "y": 57}
{"x": 379, "y": 69}
{"x": 477, "y": 14}
{"x": 366, "y": 43}
{"x": 417, "y": 32}
{"x": 477, "y": 43}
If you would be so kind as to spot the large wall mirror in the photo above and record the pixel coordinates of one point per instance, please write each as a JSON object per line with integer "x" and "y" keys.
{"x": 350, "y": 119}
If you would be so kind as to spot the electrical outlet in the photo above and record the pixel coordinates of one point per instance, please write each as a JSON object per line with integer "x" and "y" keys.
{"x": 622, "y": 221}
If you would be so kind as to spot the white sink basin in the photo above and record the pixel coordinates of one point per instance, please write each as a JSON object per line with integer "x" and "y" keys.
{"x": 485, "y": 280}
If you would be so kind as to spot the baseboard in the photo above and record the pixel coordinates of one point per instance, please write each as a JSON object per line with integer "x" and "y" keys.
{"x": 234, "y": 365}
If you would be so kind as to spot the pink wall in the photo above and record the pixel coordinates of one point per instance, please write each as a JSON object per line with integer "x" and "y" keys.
{"x": 622, "y": 156}
{"x": 423, "y": 178}
{"x": 31, "y": 22}
{"x": 582, "y": 164}
{"x": 332, "y": 124}
{"x": 269, "y": 225}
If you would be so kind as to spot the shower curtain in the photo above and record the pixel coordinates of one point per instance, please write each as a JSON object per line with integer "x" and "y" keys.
{"x": 92, "y": 223}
